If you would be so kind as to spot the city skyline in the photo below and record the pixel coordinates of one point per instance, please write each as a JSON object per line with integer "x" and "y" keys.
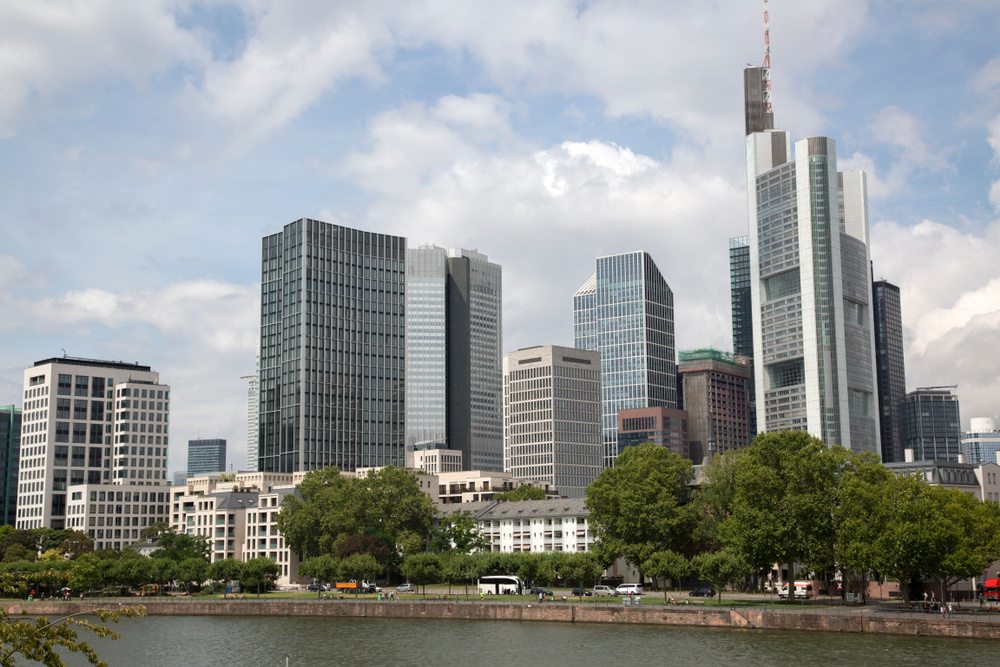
{"x": 166, "y": 143}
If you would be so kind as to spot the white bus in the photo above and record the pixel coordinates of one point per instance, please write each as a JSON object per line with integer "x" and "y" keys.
{"x": 500, "y": 585}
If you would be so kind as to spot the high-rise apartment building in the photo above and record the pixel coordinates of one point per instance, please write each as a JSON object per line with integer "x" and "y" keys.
{"x": 552, "y": 416}
{"x": 742, "y": 314}
{"x": 814, "y": 349}
{"x": 10, "y": 451}
{"x": 253, "y": 406}
{"x": 454, "y": 354}
{"x": 625, "y": 311}
{"x": 890, "y": 368}
{"x": 715, "y": 397}
{"x": 206, "y": 456}
{"x": 92, "y": 426}
{"x": 332, "y": 350}
{"x": 932, "y": 425}
{"x": 980, "y": 443}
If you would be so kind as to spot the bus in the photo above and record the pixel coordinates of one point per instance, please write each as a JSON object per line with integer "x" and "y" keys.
{"x": 500, "y": 585}
{"x": 991, "y": 590}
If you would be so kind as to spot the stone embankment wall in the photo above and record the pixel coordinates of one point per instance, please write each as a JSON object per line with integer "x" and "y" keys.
{"x": 860, "y": 621}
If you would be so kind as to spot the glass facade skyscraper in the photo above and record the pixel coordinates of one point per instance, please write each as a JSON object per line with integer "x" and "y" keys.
{"x": 206, "y": 457}
{"x": 10, "y": 452}
{"x": 814, "y": 348}
{"x": 332, "y": 348}
{"x": 931, "y": 424}
{"x": 889, "y": 364}
{"x": 626, "y": 312}
{"x": 742, "y": 313}
{"x": 454, "y": 354}
{"x": 980, "y": 443}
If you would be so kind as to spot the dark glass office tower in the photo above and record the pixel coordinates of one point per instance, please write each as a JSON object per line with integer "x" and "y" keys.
{"x": 889, "y": 367}
{"x": 931, "y": 424}
{"x": 454, "y": 354}
{"x": 626, "y": 312}
{"x": 742, "y": 303}
{"x": 332, "y": 346}
{"x": 206, "y": 457}
{"x": 10, "y": 452}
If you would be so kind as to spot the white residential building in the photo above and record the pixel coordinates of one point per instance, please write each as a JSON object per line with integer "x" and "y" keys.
{"x": 94, "y": 423}
{"x": 557, "y": 524}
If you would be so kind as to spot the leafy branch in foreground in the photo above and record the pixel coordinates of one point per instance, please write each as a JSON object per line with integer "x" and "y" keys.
{"x": 37, "y": 639}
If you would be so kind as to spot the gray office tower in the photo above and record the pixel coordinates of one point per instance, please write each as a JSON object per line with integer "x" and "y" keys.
{"x": 889, "y": 365}
{"x": 742, "y": 307}
{"x": 206, "y": 457}
{"x": 332, "y": 349}
{"x": 811, "y": 292}
{"x": 10, "y": 452}
{"x": 626, "y": 312}
{"x": 454, "y": 354}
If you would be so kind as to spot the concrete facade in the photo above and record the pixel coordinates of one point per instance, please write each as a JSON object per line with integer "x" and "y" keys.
{"x": 715, "y": 395}
{"x": 89, "y": 422}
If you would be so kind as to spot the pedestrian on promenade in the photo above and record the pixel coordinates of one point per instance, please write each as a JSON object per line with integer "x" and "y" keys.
{"x": 950, "y": 610}
{"x": 944, "y": 611}
{"x": 541, "y": 597}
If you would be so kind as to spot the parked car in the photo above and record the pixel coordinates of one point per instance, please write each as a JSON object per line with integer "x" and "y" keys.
{"x": 702, "y": 593}
{"x": 538, "y": 590}
{"x": 581, "y": 591}
{"x": 604, "y": 591}
{"x": 405, "y": 588}
{"x": 315, "y": 588}
{"x": 628, "y": 589}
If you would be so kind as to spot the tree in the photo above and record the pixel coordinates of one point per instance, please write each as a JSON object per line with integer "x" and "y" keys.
{"x": 322, "y": 568}
{"x": 422, "y": 569}
{"x": 715, "y": 500}
{"x": 181, "y": 546}
{"x": 523, "y": 492}
{"x": 458, "y": 567}
{"x": 36, "y": 639}
{"x": 722, "y": 568}
{"x": 387, "y": 504}
{"x": 225, "y": 570}
{"x": 638, "y": 507}
{"x": 582, "y": 567}
{"x": 257, "y": 572}
{"x": 667, "y": 565}
{"x": 360, "y": 567}
{"x": 76, "y": 545}
{"x": 154, "y": 529}
{"x": 192, "y": 570}
{"x": 458, "y": 531}
{"x": 864, "y": 488}
{"x": 783, "y": 506}
{"x": 969, "y": 535}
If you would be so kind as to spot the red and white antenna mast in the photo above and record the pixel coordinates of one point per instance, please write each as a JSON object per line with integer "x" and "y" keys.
{"x": 765, "y": 69}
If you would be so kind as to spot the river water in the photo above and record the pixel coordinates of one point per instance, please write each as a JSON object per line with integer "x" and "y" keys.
{"x": 187, "y": 641}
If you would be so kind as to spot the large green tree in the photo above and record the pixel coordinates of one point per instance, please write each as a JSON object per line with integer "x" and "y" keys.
{"x": 257, "y": 573}
{"x": 721, "y": 568}
{"x": 37, "y": 639}
{"x": 667, "y": 565}
{"x": 639, "y": 506}
{"x": 387, "y": 504}
{"x": 422, "y": 569}
{"x": 783, "y": 505}
{"x": 458, "y": 531}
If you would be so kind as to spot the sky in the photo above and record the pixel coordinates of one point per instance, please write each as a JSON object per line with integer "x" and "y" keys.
{"x": 147, "y": 146}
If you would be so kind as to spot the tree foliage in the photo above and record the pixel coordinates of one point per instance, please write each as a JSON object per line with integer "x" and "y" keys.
{"x": 667, "y": 565}
{"x": 523, "y": 492}
{"x": 387, "y": 504}
{"x": 638, "y": 507}
{"x": 458, "y": 531}
{"x": 722, "y": 568}
{"x": 37, "y": 639}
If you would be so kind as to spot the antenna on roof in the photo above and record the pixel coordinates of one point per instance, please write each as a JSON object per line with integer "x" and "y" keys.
{"x": 765, "y": 68}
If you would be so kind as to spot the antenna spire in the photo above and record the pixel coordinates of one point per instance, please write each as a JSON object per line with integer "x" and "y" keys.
{"x": 765, "y": 69}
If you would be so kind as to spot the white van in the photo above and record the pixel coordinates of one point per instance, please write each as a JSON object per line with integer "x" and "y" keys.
{"x": 629, "y": 589}
{"x": 803, "y": 590}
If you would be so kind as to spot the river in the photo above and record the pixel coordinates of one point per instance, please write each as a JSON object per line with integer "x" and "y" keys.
{"x": 188, "y": 641}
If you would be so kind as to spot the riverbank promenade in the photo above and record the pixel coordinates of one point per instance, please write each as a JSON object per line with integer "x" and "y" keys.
{"x": 868, "y": 619}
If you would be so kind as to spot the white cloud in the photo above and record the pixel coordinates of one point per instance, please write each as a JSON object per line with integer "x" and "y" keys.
{"x": 909, "y": 141}
{"x": 48, "y": 47}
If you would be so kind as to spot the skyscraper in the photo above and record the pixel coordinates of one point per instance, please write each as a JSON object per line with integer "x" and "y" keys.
{"x": 980, "y": 443}
{"x": 454, "y": 354}
{"x": 715, "y": 395}
{"x": 932, "y": 424}
{"x": 10, "y": 448}
{"x": 625, "y": 311}
{"x": 90, "y": 427}
{"x": 742, "y": 314}
{"x": 206, "y": 457}
{"x": 814, "y": 350}
{"x": 253, "y": 410}
{"x": 552, "y": 416}
{"x": 890, "y": 367}
{"x": 332, "y": 348}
